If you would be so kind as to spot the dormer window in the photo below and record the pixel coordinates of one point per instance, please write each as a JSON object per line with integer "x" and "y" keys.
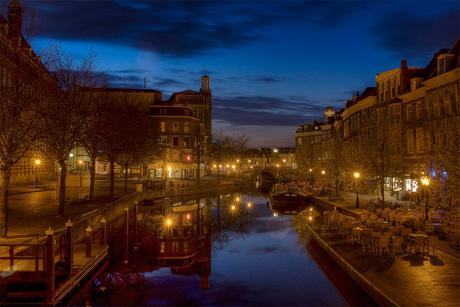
{"x": 162, "y": 111}
{"x": 441, "y": 66}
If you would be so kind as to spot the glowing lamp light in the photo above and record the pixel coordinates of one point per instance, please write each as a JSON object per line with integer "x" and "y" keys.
{"x": 356, "y": 175}
{"x": 249, "y": 205}
{"x": 188, "y": 216}
{"x": 323, "y": 172}
{"x": 310, "y": 218}
{"x": 188, "y": 158}
{"x": 426, "y": 181}
{"x": 37, "y": 162}
{"x": 80, "y": 161}
{"x": 233, "y": 207}
{"x": 310, "y": 169}
{"x": 237, "y": 199}
{"x": 168, "y": 222}
{"x": 71, "y": 155}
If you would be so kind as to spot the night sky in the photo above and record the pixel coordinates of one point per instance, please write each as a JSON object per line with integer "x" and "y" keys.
{"x": 273, "y": 65}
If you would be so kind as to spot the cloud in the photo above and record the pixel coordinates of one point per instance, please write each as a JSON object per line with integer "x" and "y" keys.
{"x": 412, "y": 35}
{"x": 264, "y": 111}
{"x": 183, "y": 28}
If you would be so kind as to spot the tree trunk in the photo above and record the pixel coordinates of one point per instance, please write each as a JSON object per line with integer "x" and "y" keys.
{"x": 92, "y": 172}
{"x": 218, "y": 174}
{"x": 337, "y": 189}
{"x": 5, "y": 174}
{"x": 112, "y": 179}
{"x": 382, "y": 191}
{"x": 198, "y": 173}
{"x": 126, "y": 180}
{"x": 62, "y": 179}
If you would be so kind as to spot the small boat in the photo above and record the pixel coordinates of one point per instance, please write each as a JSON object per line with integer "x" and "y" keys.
{"x": 287, "y": 199}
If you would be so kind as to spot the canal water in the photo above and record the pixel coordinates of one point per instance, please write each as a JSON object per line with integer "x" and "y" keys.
{"x": 231, "y": 250}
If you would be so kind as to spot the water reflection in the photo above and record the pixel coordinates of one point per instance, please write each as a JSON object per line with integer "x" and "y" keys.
{"x": 228, "y": 250}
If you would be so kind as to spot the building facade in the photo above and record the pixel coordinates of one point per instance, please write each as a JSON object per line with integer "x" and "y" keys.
{"x": 413, "y": 111}
{"x": 22, "y": 77}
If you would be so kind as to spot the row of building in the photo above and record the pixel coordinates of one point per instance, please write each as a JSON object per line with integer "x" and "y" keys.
{"x": 415, "y": 109}
{"x": 185, "y": 119}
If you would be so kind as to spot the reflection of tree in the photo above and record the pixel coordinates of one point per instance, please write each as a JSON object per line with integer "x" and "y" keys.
{"x": 233, "y": 218}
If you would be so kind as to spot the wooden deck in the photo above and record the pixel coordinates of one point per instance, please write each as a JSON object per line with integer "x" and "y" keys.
{"x": 26, "y": 282}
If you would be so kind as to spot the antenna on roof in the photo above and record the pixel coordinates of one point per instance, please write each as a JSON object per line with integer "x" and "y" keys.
{"x": 145, "y": 81}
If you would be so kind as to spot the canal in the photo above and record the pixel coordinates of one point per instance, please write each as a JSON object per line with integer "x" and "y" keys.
{"x": 215, "y": 251}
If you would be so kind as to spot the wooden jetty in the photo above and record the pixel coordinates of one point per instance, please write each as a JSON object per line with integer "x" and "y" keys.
{"x": 44, "y": 272}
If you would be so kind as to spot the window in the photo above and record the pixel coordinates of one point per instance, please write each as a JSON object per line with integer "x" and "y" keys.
{"x": 186, "y": 141}
{"x": 430, "y": 107}
{"x": 175, "y": 141}
{"x": 442, "y": 109}
{"x": 200, "y": 114}
{"x": 162, "y": 111}
{"x": 299, "y": 141}
{"x": 419, "y": 109}
{"x": 175, "y": 127}
{"x": 453, "y": 103}
{"x": 410, "y": 141}
{"x": 441, "y": 66}
{"x": 187, "y": 112}
{"x": 162, "y": 127}
{"x": 419, "y": 136}
{"x": 163, "y": 140}
{"x": 186, "y": 127}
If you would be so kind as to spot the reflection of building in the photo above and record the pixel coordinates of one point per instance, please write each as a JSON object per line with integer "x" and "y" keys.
{"x": 185, "y": 244}
{"x": 21, "y": 68}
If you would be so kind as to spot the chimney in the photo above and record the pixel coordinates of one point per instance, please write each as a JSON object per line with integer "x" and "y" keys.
{"x": 15, "y": 18}
{"x": 405, "y": 77}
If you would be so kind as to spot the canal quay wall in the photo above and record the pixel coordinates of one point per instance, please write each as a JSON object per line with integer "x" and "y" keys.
{"x": 381, "y": 298}
{"x": 408, "y": 280}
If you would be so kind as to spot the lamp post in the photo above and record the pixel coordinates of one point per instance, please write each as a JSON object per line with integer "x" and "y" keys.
{"x": 426, "y": 183}
{"x": 37, "y": 163}
{"x": 323, "y": 172}
{"x": 356, "y": 182}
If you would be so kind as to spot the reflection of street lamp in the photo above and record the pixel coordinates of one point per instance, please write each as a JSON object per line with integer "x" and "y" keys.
{"x": 426, "y": 183}
{"x": 356, "y": 181}
{"x": 37, "y": 163}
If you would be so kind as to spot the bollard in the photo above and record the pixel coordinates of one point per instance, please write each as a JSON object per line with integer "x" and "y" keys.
{"x": 49, "y": 265}
{"x": 103, "y": 231}
{"x": 126, "y": 233}
{"x": 68, "y": 247}
{"x": 89, "y": 241}
{"x": 136, "y": 212}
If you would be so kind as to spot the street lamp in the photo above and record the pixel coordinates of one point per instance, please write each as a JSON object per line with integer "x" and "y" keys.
{"x": 426, "y": 183}
{"x": 37, "y": 163}
{"x": 323, "y": 172}
{"x": 356, "y": 181}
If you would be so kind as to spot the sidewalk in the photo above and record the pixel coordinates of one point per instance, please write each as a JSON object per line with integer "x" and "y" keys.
{"x": 349, "y": 202}
{"x": 32, "y": 210}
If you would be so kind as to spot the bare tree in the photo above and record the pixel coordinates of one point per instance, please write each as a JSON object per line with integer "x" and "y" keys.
{"x": 20, "y": 120}
{"x": 67, "y": 106}
{"x": 220, "y": 149}
{"x": 240, "y": 144}
{"x": 444, "y": 166}
{"x": 380, "y": 153}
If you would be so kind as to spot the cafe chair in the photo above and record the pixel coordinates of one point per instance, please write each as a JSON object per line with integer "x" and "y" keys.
{"x": 433, "y": 245}
{"x": 384, "y": 244}
{"x": 418, "y": 245}
{"x": 397, "y": 246}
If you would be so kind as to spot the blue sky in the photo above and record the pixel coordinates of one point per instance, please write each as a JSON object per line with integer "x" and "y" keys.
{"x": 273, "y": 65}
